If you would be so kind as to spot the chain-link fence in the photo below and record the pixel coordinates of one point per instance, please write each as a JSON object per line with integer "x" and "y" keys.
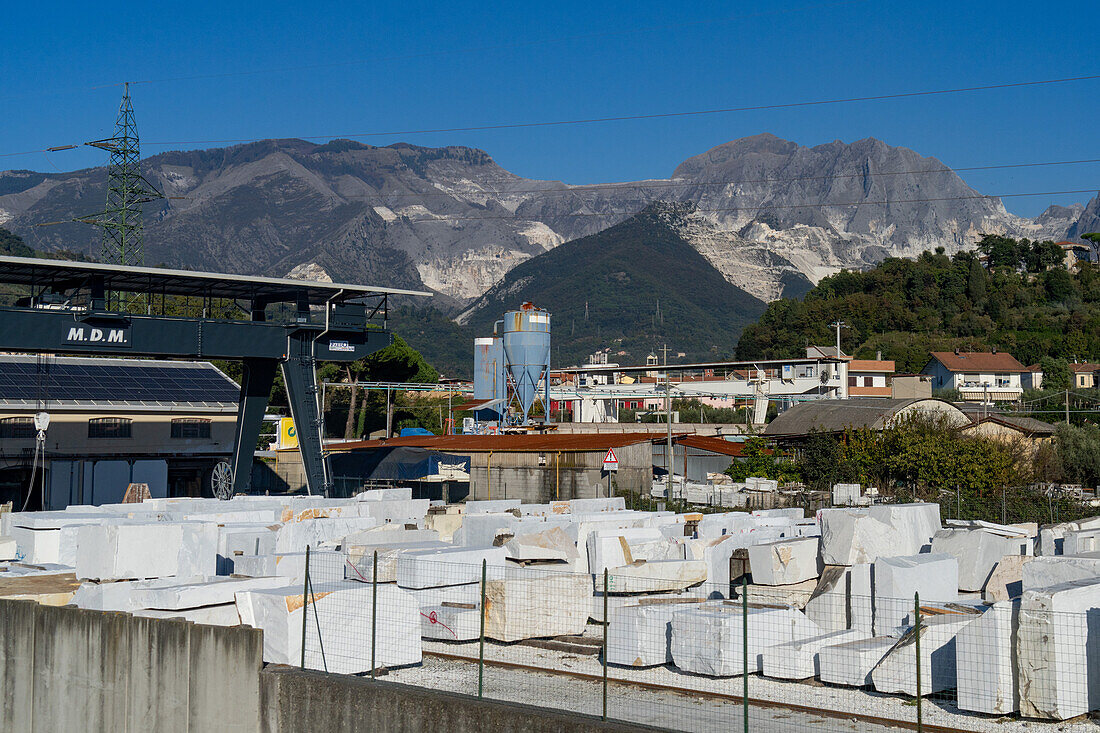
{"x": 842, "y": 651}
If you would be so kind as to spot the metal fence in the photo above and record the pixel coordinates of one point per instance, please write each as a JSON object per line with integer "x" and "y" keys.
{"x": 823, "y": 655}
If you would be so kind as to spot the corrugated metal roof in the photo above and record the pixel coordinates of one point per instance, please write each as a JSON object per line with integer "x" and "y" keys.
{"x": 572, "y": 442}
{"x": 834, "y": 416}
{"x": 712, "y": 444}
{"x": 1028, "y": 425}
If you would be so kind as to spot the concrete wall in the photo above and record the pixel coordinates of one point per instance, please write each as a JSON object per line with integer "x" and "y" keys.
{"x": 537, "y": 478}
{"x": 68, "y": 669}
{"x": 302, "y": 701}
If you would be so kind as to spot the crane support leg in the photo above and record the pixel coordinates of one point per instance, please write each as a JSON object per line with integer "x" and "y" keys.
{"x": 256, "y": 380}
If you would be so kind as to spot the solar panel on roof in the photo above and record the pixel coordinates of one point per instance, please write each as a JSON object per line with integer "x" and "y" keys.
{"x": 117, "y": 381}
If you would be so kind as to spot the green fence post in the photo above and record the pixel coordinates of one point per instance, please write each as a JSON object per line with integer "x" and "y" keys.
{"x": 305, "y": 608}
{"x": 374, "y": 615}
{"x": 606, "y": 623}
{"x": 745, "y": 648}
{"x": 481, "y": 644}
{"x": 916, "y": 627}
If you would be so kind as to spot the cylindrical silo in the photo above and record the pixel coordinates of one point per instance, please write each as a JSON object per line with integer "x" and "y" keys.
{"x": 490, "y": 375}
{"x": 527, "y": 351}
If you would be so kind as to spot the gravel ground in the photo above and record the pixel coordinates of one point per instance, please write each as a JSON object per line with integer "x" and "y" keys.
{"x": 662, "y": 709}
{"x": 682, "y": 711}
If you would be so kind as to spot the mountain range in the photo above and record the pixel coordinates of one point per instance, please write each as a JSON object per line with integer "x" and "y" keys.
{"x": 770, "y": 216}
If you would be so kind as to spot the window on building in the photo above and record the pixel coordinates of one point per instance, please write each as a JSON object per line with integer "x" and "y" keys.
{"x": 190, "y": 427}
{"x": 853, "y": 381}
{"x": 110, "y": 427}
{"x": 17, "y": 427}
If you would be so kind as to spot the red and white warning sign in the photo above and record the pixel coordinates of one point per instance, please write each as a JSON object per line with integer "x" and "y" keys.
{"x": 611, "y": 461}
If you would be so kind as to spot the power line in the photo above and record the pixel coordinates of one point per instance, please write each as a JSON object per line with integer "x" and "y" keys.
{"x": 617, "y": 118}
{"x": 442, "y": 218}
{"x": 651, "y": 116}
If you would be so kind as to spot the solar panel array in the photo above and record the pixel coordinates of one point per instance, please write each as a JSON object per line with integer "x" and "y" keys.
{"x": 114, "y": 381}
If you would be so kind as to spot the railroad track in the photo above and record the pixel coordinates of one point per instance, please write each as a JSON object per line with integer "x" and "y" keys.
{"x": 657, "y": 687}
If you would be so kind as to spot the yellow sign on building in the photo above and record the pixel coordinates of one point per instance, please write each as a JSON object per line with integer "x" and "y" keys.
{"x": 288, "y": 436}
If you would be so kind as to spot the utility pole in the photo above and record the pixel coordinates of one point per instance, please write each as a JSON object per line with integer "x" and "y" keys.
{"x": 1067, "y": 407}
{"x": 838, "y": 324}
{"x": 668, "y": 446}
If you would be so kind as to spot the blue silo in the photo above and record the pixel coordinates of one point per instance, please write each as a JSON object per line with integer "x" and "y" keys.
{"x": 526, "y": 339}
{"x": 490, "y": 376}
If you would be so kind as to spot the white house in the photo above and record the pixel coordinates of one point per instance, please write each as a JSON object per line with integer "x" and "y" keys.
{"x": 978, "y": 376}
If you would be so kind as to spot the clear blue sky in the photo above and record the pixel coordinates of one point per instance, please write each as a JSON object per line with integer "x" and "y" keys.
{"x": 416, "y": 65}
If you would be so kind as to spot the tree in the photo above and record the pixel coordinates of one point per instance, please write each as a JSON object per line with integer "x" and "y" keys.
{"x": 1056, "y": 373}
{"x": 1078, "y": 451}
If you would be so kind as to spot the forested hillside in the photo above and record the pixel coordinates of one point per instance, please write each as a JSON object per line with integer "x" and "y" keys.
{"x": 1014, "y": 295}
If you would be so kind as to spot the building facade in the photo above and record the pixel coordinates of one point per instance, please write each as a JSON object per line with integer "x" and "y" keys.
{"x": 977, "y": 376}
{"x": 112, "y": 422}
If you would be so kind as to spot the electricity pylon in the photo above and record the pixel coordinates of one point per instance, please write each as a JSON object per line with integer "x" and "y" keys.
{"x": 127, "y": 191}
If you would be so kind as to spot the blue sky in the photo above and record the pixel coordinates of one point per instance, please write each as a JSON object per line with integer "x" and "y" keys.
{"x": 376, "y": 67}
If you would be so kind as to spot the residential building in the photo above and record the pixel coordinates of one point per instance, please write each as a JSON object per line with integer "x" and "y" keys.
{"x": 1084, "y": 375}
{"x": 977, "y": 376}
{"x": 1033, "y": 377}
{"x": 870, "y": 377}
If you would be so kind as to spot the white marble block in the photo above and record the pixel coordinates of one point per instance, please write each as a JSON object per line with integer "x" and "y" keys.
{"x": 850, "y": 536}
{"x": 653, "y": 577}
{"x": 343, "y": 612}
{"x": 842, "y": 599}
{"x": 1006, "y": 580}
{"x": 977, "y": 551}
{"x": 798, "y": 660}
{"x": 296, "y": 536}
{"x": 222, "y": 615}
{"x": 897, "y": 579}
{"x": 448, "y": 566}
{"x": 1058, "y": 650}
{"x": 640, "y": 635}
{"x": 549, "y": 544}
{"x": 396, "y": 511}
{"x": 850, "y": 663}
{"x": 785, "y": 561}
{"x": 456, "y": 622}
{"x": 207, "y": 592}
{"x": 394, "y": 494}
{"x": 986, "y": 660}
{"x": 135, "y": 551}
{"x": 360, "y": 559}
{"x": 537, "y": 605}
{"x": 590, "y": 506}
{"x": 7, "y": 549}
{"x": 1080, "y": 541}
{"x": 614, "y": 548}
{"x": 897, "y": 672}
{"x": 915, "y": 524}
{"x": 1047, "y": 571}
{"x": 492, "y": 506}
{"x": 710, "y": 640}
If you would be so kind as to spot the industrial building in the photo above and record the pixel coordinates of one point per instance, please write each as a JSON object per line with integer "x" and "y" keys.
{"x": 836, "y": 416}
{"x": 112, "y": 422}
{"x": 539, "y": 468}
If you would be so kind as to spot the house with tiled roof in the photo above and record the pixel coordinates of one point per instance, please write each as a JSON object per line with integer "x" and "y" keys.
{"x": 1084, "y": 374}
{"x": 977, "y": 376}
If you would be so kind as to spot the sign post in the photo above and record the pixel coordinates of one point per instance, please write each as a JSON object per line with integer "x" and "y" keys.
{"x": 610, "y": 464}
